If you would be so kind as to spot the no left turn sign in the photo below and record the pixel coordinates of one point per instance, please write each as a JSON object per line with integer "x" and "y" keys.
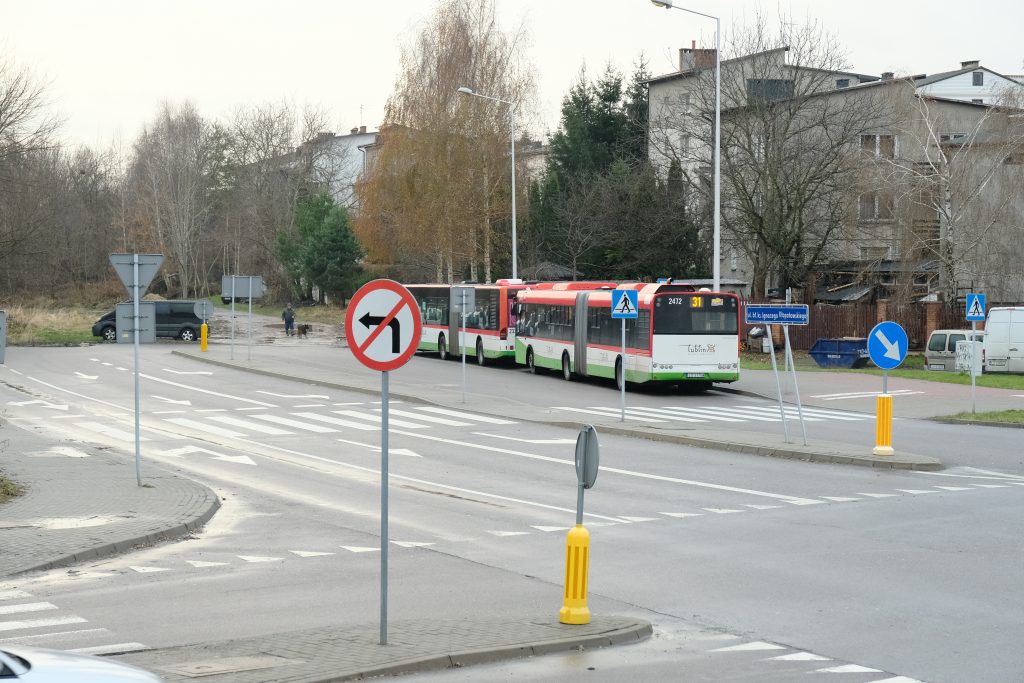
{"x": 382, "y": 325}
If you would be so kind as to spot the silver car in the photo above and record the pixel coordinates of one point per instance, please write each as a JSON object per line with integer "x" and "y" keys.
{"x": 36, "y": 665}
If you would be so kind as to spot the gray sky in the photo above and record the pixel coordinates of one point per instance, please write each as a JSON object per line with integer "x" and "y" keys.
{"x": 111, "y": 62}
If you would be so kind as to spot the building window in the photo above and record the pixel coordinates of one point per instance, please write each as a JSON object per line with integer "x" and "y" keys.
{"x": 768, "y": 89}
{"x": 979, "y": 77}
{"x": 733, "y": 260}
{"x": 686, "y": 103}
{"x": 842, "y": 82}
{"x": 952, "y": 137}
{"x": 879, "y": 146}
{"x": 876, "y": 206}
{"x": 874, "y": 253}
{"x": 978, "y": 101}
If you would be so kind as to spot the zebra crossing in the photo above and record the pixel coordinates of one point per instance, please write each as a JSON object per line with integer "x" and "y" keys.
{"x": 718, "y": 414}
{"x": 26, "y": 620}
{"x": 252, "y": 424}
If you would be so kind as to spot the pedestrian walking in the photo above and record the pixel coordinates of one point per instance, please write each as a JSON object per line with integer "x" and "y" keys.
{"x": 289, "y": 320}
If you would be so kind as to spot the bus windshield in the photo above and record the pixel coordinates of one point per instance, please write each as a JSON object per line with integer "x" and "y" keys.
{"x": 695, "y": 313}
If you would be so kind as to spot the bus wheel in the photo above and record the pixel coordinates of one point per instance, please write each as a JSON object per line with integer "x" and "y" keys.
{"x": 530, "y": 365}
{"x": 566, "y": 368}
{"x": 620, "y": 379}
{"x": 480, "y": 360}
{"x": 442, "y": 349}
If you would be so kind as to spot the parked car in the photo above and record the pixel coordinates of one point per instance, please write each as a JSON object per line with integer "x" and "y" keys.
{"x": 174, "y": 319}
{"x": 940, "y": 354}
{"x": 23, "y": 664}
{"x": 238, "y": 300}
{"x": 1004, "y": 339}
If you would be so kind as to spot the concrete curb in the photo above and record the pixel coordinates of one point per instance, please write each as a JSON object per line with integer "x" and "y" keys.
{"x": 895, "y": 462}
{"x": 977, "y": 423}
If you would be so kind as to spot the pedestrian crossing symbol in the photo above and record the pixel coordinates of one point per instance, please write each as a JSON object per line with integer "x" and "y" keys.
{"x": 975, "y": 307}
{"x": 624, "y": 303}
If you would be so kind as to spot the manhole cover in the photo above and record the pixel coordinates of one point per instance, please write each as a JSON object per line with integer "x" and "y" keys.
{"x": 227, "y": 665}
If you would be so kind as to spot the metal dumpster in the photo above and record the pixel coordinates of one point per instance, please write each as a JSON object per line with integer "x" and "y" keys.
{"x": 844, "y": 352}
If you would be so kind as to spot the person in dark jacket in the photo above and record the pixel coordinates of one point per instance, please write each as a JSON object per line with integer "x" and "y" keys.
{"x": 289, "y": 320}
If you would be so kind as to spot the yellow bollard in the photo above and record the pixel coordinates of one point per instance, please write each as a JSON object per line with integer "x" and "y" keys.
{"x": 577, "y": 560}
{"x": 204, "y": 334}
{"x": 883, "y": 426}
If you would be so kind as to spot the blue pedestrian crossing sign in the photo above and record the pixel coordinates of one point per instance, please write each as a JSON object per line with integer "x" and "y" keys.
{"x": 887, "y": 345}
{"x": 624, "y": 303}
{"x": 976, "y": 306}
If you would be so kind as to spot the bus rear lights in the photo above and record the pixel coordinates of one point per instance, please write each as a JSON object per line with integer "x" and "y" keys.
{"x": 503, "y": 333}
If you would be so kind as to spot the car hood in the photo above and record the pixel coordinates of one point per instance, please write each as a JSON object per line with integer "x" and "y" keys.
{"x": 57, "y": 666}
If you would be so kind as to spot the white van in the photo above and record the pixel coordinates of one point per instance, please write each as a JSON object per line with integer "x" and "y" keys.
{"x": 1004, "y": 339}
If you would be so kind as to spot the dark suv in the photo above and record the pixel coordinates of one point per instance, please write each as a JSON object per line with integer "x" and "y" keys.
{"x": 174, "y": 319}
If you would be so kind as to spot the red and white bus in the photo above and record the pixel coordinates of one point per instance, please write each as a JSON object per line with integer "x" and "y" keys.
{"x": 681, "y": 335}
{"x": 490, "y": 322}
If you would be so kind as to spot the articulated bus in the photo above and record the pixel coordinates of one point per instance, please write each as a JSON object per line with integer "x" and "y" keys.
{"x": 681, "y": 335}
{"x": 490, "y": 323}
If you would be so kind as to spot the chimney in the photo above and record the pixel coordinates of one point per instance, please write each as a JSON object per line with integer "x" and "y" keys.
{"x": 969, "y": 64}
{"x": 887, "y": 75}
{"x": 353, "y": 131}
{"x": 691, "y": 58}
{"x": 362, "y": 129}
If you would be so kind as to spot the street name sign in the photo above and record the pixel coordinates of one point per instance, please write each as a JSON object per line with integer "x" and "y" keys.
{"x": 383, "y": 325}
{"x": 887, "y": 345}
{"x": 787, "y": 314}
{"x": 976, "y": 307}
{"x": 625, "y": 303}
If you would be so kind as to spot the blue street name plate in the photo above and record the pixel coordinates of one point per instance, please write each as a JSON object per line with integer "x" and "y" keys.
{"x": 787, "y": 314}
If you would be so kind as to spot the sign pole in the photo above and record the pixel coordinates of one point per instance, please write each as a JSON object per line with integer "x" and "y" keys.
{"x": 792, "y": 366}
{"x": 249, "y": 356}
{"x": 622, "y": 399}
{"x": 232, "y": 317}
{"x": 136, "y": 332}
{"x": 974, "y": 359}
{"x": 778, "y": 383}
{"x": 384, "y": 504}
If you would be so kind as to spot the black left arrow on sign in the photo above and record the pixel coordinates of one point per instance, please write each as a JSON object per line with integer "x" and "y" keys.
{"x": 374, "y": 320}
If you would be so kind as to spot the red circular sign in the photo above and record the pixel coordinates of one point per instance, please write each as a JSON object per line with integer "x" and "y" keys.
{"x": 382, "y": 325}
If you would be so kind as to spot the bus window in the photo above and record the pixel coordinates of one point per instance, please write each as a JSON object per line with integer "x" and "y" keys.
{"x": 682, "y": 314}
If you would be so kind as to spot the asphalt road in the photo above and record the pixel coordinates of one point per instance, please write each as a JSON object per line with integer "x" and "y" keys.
{"x": 719, "y": 550}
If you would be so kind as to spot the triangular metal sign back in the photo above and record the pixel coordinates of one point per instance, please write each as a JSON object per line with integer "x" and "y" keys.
{"x": 124, "y": 264}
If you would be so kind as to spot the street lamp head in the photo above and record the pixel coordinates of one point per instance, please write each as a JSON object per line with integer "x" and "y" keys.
{"x": 667, "y": 4}
{"x": 466, "y": 91}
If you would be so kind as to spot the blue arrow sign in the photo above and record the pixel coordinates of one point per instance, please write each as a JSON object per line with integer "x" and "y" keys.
{"x": 788, "y": 314}
{"x": 887, "y": 345}
{"x": 624, "y": 303}
{"x": 976, "y": 306}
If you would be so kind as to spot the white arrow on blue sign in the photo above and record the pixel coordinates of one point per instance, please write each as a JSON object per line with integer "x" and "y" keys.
{"x": 887, "y": 345}
{"x": 976, "y": 306}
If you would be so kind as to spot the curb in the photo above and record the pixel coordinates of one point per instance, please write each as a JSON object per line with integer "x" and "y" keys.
{"x": 977, "y": 423}
{"x": 897, "y": 462}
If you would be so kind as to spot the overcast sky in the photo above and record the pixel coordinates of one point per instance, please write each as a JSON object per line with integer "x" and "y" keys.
{"x": 110, "y": 63}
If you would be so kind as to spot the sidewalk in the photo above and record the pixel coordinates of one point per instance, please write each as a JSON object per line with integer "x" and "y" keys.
{"x": 335, "y": 367}
{"x": 83, "y": 503}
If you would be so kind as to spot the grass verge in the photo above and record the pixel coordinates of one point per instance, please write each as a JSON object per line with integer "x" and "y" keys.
{"x": 8, "y": 489}
{"x": 999, "y": 416}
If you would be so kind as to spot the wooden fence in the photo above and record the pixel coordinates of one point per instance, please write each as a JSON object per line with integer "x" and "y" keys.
{"x": 828, "y": 321}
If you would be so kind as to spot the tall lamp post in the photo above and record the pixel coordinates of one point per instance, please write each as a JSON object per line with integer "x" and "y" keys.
{"x": 512, "y": 121}
{"x": 716, "y": 259}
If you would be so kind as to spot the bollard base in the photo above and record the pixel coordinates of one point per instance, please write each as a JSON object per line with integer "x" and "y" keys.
{"x": 574, "y": 615}
{"x": 883, "y": 450}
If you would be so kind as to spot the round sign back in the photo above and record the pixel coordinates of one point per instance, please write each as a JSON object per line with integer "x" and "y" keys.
{"x": 383, "y": 325}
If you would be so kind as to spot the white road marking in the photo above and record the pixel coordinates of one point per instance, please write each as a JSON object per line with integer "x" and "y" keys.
{"x": 638, "y": 519}
{"x": 740, "y": 411}
{"x": 211, "y": 410}
{"x": 85, "y": 376}
{"x": 793, "y": 500}
{"x": 119, "y": 648}
{"x": 252, "y": 408}
{"x": 466, "y": 416}
{"x": 376, "y": 419}
{"x": 27, "y": 607}
{"x": 377, "y": 449}
{"x": 169, "y": 412}
{"x": 150, "y": 570}
{"x": 799, "y": 657}
{"x": 840, "y": 499}
{"x": 428, "y": 418}
{"x": 695, "y": 412}
{"x": 203, "y": 427}
{"x": 878, "y": 495}
{"x": 763, "y": 507}
{"x": 119, "y": 434}
{"x": 240, "y": 399}
{"x": 259, "y": 558}
{"x": 606, "y": 413}
{"x": 682, "y": 514}
{"x": 916, "y": 492}
{"x": 67, "y": 451}
{"x": 848, "y": 669}
{"x": 550, "y": 442}
{"x": 360, "y": 549}
{"x": 550, "y": 528}
{"x": 755, "y": 646}
{"x": 186, "y": 450}
{"x": 412, "y": 544}
{"x": 13, "y": 594}
{"x": 295, "y": 423}
{"x": 271, "y": 393}
{"x": 45, "y": 404}
{"x": 309, "y": 553}
{"x": 248, "y": 424}
{"x": 39, "y": 623}
{"x": 180, "y": 402}
{"x": 58, "y": 636}
{"x": 509, "y": 533}
{"x": 955, "y": 488}
{"x": 813, "y": 413}
{"x": 310, "y": 405}
{"x": 897, "y": 679}
{"x": 200, "y": 564}
{"x": 186, "y": 372}
{"x": 992, "y": 486}
{"x": 337, "y": 421}
{"x": 636, "y": 412}
{"x": 722, "y": 511}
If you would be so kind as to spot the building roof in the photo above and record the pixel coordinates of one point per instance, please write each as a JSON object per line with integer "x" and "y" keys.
{"x": 935, "y": 78}
{"x": 689, "y": 72}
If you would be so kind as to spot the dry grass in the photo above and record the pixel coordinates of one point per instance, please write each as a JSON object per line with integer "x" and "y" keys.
{"x": 41, "y": 324}
{"x": 8, "y": 489}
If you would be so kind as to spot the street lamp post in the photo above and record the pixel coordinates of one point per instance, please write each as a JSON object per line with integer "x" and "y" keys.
{"x": 717, "y": 257}
{"x": 512, "y": 124}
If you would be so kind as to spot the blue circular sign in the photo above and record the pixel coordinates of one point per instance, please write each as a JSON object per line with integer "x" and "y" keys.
{"x": 887, "y": 345}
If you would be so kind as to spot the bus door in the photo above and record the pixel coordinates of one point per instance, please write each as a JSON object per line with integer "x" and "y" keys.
{"x": 455, "y": 314}
{"x": 580, "y": 334}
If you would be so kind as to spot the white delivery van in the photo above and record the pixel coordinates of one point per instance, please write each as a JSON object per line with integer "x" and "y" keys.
{"x": 1004, "y": 339}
